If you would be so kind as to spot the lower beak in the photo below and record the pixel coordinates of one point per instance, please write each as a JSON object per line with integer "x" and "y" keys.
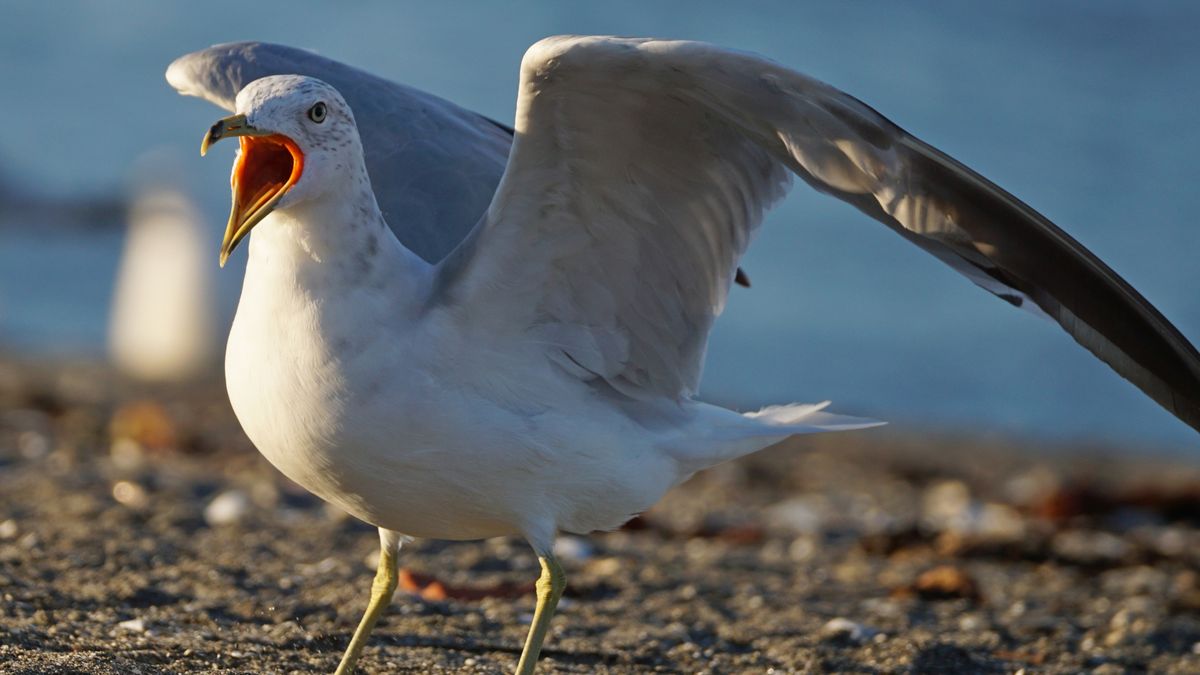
{"x": 267, "y": 166}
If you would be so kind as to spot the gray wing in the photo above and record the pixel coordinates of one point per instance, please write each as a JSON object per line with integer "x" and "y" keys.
{"x": 434, "y": 165}
{"x": 642, "y": 168}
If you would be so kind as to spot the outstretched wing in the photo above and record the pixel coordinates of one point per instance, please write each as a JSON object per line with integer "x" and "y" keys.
{"x": 434, "y": 165}
{"x": 642, "y": 168}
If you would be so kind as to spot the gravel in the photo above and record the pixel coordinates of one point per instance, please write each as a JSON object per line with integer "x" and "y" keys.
{"x": 141, "y": 533}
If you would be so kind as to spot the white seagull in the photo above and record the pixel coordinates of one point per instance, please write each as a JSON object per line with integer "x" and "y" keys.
{"x": 164, "y": 321}
{"x": 525, "y": 362}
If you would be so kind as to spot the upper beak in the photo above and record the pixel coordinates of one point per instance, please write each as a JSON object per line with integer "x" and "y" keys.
{"x": 234, "y": 125}
{"x": 260, "y": 178}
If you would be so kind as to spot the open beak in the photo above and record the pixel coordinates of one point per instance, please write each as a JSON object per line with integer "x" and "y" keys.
{"x": 267, "y": 166}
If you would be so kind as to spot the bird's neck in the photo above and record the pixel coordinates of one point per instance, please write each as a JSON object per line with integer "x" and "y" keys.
{"x": 336, "y": 245}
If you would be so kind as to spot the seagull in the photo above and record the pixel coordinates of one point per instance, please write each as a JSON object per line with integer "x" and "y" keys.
{"x": 164, "y": 318}
{"x": 456, "y": 330}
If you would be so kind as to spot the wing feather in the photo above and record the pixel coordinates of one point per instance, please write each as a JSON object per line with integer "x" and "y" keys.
{"x": 641, "y": 170}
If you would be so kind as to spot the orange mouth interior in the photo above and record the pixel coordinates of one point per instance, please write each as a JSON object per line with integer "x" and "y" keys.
{"x": 266, "y": 167}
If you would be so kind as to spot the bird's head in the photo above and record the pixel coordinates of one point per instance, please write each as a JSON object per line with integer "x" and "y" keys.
{"x": 298, "y": 143}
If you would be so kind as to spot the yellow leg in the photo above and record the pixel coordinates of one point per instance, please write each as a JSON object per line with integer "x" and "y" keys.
{"x": 549, "y": 589}
{"x": 386, "y": 577}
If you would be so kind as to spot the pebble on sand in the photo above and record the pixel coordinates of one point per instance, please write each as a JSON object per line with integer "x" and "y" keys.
{"x": 842, "y": 628}
{"x": 227, "y": 508}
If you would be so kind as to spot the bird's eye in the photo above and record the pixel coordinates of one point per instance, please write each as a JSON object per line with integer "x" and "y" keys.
{"x": 317, "y": 112}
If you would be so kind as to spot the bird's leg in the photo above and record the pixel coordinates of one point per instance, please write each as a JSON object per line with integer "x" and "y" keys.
{"x": 549, "y": 586}
{"x": 386, "y": 577}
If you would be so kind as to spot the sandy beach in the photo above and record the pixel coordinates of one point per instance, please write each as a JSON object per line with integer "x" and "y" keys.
{"x": 141, "y": 533}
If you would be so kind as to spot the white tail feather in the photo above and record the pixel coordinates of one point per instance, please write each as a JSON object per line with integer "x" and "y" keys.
{"x": 730, "y": 435}
{"x": 809, "y": 418}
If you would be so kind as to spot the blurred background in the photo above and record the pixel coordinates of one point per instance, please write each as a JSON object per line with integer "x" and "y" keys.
{"x": 1027, "y": 509}
{"x": 1085, "y": 110}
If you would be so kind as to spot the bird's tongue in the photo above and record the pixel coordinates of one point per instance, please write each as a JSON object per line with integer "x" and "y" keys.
{"x": 266, "y": 166}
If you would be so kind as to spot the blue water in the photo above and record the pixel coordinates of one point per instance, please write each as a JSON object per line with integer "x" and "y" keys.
{"x": 1086, "y": 110}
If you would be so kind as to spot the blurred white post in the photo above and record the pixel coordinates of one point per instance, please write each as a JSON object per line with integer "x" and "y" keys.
{"x": 163, "y": 326}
